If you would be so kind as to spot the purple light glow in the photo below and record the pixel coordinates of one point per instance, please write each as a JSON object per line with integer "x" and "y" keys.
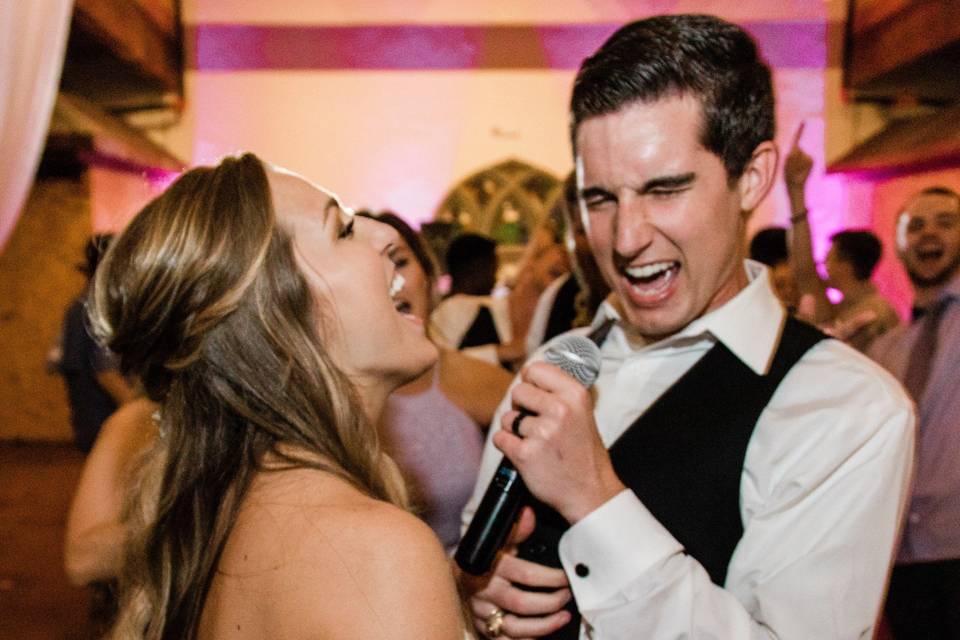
{"x": 238, "y": 47}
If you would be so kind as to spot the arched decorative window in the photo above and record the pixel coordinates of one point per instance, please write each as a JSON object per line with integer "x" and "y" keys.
{"x": 506, "y": 201}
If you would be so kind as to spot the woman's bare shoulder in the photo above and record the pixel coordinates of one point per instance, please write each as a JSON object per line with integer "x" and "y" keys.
{"x": 319, "y": 551}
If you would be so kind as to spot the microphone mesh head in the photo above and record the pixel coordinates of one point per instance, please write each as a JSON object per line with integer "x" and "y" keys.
{"x": 578, "y": 356}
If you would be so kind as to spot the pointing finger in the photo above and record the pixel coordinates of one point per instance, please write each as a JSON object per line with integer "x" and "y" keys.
{"x": 796, "y": 136}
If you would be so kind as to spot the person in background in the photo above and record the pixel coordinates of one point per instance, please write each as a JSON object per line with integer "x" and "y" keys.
{"x": 97, "y": 526}
{"x": 850, "y": 263}
{"x": 260, "y": 315}
{"x": 924, "y": 597}
{"x": 433, "y": 426}
{"x": 769, "y": 246}
{"x": 732, "y": 473}
{"x": 572, "y": 299}
{"x": 494, "y": 328}
{"x": 94, "y": 386}
{"x": 470, "y": 318}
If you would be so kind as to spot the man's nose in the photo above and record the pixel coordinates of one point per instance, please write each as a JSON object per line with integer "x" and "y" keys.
{"x": 634, "y": 229}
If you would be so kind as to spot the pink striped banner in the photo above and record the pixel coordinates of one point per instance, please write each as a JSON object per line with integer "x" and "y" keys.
{"x": 237, "y": 47}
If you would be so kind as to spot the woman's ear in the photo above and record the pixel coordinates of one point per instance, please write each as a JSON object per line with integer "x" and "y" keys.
{"x": 758, "y": 176}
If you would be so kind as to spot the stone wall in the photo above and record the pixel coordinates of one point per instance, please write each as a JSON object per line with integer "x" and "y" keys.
{"x": 38, "y": 279}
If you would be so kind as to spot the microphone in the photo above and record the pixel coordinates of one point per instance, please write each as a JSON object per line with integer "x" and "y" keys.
{"x": 579, "y": 358}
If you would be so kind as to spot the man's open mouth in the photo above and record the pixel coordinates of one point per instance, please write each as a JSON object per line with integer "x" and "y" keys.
{"x": 650, "y": 281}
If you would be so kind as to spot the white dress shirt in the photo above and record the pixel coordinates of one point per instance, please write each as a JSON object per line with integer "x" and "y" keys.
{"x": 822, "y": 492}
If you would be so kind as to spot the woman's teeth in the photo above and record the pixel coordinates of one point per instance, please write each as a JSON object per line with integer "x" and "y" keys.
{"x": 396, "y": 285}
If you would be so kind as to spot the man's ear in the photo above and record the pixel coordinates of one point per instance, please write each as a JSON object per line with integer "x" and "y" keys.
{"x": 758, "y": 176}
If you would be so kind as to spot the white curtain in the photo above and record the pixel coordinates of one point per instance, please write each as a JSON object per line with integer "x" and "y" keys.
{"x": 33, "y": 38}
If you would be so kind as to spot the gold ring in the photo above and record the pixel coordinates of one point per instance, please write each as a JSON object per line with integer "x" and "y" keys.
{"x": 494, "y": 623}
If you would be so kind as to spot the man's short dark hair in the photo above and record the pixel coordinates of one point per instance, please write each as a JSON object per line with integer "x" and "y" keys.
{"x": 859, "y": 247}
{"x": 941, "y": 191}
{"x": 468, "y": 255}
{"x": 769, "y": 246}
{"x": 703, "y": 56}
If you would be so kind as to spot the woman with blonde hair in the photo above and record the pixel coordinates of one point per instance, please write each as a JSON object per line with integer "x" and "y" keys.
{"x": 259, "y": 314}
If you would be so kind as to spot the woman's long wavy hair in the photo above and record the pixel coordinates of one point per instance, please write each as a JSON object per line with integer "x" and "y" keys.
{"x": 201, "y": 298}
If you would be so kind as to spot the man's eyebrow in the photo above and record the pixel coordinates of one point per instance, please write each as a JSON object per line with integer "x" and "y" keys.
{"x": 668, "y": 182}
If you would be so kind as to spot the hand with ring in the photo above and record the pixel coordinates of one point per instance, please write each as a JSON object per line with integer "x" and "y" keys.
{"x": 494, "y": 622}
{"x": 529, "y": 614}
{"x": 515, "y": 426}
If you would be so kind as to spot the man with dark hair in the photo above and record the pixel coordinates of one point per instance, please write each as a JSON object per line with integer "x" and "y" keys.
{"x": 769, "y": 246}
{"x": 863, "y": 314}
{"x": 859, "y": 248}
{"x": 469, "y": 318}
{"x": 924, "y": 597}
{"x": 738, "y": 475}
{"x": 472, "y": 264}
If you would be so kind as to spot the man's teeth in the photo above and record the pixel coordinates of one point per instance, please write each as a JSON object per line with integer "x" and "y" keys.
{"x": 396, "y": 285}
{"x": 649, "y": 270}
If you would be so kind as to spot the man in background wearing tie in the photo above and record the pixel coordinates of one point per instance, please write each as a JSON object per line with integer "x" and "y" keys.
{"x": 924, "y": 598}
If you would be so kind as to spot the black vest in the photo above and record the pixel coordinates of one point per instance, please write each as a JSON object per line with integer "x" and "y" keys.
{"x": 482, "y": 331}
{"x": 564, "y": 309}
{"x": 683, "y": 457}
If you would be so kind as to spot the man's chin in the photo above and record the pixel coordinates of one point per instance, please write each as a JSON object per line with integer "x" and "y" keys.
{"x": 938, "y": 279}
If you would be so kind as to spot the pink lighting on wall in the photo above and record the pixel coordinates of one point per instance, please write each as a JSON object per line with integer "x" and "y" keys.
{"x": 246, "y": 47}
{"x": 119, "y": 188}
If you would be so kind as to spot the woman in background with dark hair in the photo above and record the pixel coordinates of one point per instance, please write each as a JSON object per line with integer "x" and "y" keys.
{"x": 259, "y": 313}
{"x": 433, "y": 427}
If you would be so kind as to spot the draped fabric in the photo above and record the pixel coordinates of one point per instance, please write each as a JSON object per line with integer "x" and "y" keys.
{"x": 33, "y": 38}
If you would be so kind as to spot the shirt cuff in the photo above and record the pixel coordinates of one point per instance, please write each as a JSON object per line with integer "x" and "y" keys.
{"x": 611, "y": 547}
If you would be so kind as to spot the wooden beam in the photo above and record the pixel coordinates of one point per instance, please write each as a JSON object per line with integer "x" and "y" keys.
{"x": 75, "y": 116}
{"x": 891, "y": 35}
{"x": 134, "y": 37}
{"x": 907, "y": 146}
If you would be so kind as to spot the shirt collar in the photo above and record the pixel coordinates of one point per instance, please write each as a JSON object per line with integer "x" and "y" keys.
{"x": 749, "y": 325}
{"x": 949, "y": 292}
{"x": 952, "y": 290}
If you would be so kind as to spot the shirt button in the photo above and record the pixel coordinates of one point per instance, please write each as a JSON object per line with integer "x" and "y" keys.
{"x": 582, "y": 570}
{"x": 914, "y": 518}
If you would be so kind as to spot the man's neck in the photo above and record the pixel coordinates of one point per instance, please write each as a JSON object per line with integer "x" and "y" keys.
{"x": 924, "y": 296}
{"x": 856, "y": 291}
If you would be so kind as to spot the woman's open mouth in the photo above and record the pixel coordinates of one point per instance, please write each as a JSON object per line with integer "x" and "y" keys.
{"x": 401, "y": 304}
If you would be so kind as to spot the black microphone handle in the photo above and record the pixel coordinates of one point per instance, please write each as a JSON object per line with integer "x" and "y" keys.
{"x": 579, "y": 358}
{"x": 491, "y": 524}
